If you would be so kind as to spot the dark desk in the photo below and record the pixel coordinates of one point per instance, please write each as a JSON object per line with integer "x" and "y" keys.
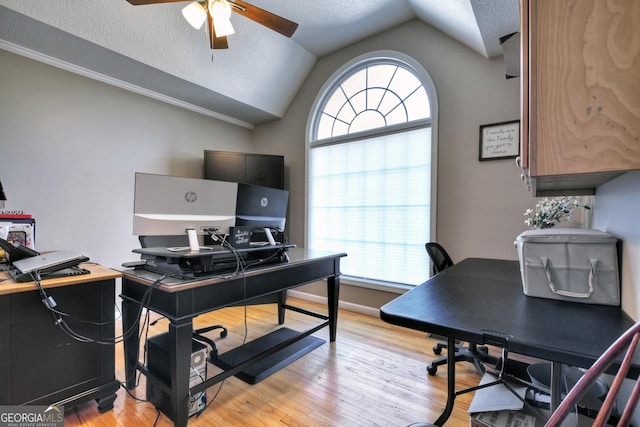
{"x": 42, "y": 365}
{"x": 181, "y": 301}
{"x": 481, "y": 301}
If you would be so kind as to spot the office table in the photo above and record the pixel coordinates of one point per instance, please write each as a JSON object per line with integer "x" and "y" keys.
{"x": 41, "y": 364}
{"x": 481, "y": 301}
{"x": 181, "y": 301}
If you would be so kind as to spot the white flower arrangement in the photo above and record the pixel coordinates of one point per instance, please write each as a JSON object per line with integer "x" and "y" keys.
{"x": 550, "y": 211}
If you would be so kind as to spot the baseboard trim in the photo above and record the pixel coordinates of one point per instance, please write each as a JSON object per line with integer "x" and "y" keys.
{"x": 358, "y": 308}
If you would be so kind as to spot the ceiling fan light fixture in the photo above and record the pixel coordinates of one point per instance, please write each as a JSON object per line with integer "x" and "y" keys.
{"x": 221, "y": 13}
{"x": 195, "y": 14}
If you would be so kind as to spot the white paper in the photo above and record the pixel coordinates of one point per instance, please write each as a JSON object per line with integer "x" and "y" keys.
{"x": 496, "y": 397}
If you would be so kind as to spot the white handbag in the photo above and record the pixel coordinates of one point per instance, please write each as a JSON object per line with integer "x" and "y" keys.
{"x": 579, "y": 265}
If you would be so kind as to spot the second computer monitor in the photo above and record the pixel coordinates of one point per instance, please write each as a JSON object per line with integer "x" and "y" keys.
{"x": 260, "y": 207}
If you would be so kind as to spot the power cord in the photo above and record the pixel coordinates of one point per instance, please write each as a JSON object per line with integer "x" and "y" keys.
{"x": 59, "y": 316}
{"x": 240, "y": 267}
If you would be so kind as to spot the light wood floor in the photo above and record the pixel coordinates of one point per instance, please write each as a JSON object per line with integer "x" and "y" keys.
{"x": 373, "y": 375}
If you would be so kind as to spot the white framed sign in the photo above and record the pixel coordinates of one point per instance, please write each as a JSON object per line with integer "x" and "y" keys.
{"x": 499, "y": 140}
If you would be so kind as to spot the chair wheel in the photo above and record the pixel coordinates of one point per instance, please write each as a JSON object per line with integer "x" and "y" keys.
{"x": 431, "y": 370}
{"x": 437, "y": 349}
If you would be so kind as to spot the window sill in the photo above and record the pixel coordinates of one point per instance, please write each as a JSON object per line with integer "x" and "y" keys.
{"x": 395, "y": 288}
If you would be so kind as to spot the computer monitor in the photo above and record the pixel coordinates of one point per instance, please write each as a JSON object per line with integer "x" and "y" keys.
{"x": 169, "y": 205}
{"x": 260, "y": 207}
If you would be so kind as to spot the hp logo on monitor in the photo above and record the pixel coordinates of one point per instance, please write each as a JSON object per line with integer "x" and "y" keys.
{"x": 264, "y": 202}
{"x": 190, "y": 196}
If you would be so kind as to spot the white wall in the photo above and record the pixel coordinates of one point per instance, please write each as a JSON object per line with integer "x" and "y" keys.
{"x": 480, "y": 204}
{"x": 69, "y": 148}
{"x": 617, "y": 211}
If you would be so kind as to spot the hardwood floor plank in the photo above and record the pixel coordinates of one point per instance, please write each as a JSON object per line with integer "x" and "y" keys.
{"x": 373, "y": 375}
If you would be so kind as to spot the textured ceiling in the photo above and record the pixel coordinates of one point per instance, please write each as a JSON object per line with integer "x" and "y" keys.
{"x": 152, "y": 50}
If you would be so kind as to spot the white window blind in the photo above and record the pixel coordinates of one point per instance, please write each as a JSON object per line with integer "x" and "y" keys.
{"x": 370, "y": 171}
{"x": 371, "y": 199}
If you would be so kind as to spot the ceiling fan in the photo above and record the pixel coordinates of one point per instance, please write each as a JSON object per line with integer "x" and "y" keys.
{"x": 217, "y": 13}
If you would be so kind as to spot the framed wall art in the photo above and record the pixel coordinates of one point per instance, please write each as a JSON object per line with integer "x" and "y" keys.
{"x": 499, "y": 140}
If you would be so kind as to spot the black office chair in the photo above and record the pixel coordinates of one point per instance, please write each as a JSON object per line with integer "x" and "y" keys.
{"x": 440, "y": 260}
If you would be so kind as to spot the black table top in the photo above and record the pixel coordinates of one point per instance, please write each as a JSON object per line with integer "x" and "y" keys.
{"x": 478, "y": 299}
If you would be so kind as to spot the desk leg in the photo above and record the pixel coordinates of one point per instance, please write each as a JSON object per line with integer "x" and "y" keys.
{"x": 180, "y": 337}
{"x": 451, "y": 382}
{"x": 333, "y": 296}
{"x": 556, "y": 385}
{"x": 130, "y": 326}
{"x": 282, "y": 300}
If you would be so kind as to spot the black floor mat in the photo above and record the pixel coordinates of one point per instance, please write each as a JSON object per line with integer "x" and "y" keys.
{"x": 262, "y": 369}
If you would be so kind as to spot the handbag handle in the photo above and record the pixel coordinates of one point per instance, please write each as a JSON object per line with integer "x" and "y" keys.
{"x": 592, "y": 272}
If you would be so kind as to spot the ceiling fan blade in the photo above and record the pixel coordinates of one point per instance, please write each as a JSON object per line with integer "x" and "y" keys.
{"x": 216, "y": 42}
{"x": 261, "y": 16}
{"x": 143, "y": 2}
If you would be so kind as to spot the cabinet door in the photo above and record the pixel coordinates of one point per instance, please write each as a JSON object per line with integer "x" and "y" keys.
{"x": 5, "y": 349}
{"x": 221, "y": 166}
{"x": 524, "y": 85}
{"x": 584, "y": 106}
{"x": 265, "y": 170}
{"x": 523, "y": 159}
{"x": 48, "y": 365}
{"x": 257, "y": 169}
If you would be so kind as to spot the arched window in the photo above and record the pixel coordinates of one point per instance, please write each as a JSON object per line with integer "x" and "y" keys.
{"x": 371, "y": 182}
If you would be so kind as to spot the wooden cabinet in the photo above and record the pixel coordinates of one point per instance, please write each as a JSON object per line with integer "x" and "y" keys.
{"x": 247, "y": 168}
{"x": 580, "y": 93}
{"x": 42, "y": 364}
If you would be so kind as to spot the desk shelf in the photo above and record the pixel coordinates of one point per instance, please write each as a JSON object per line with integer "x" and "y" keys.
{"x": 262, "y": 369}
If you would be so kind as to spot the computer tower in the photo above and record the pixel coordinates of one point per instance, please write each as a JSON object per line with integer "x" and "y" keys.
{"x": 158, "y": 365}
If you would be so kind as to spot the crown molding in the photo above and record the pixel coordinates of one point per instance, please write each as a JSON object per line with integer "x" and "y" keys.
{"x": 67, "y": 66}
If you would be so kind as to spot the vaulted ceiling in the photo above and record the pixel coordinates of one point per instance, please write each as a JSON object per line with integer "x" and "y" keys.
{"x": 152, "y": 50}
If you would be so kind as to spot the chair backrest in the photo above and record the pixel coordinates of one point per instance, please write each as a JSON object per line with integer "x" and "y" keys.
{"x": 440, "y": 259}
{"x": 629, "y": 341}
